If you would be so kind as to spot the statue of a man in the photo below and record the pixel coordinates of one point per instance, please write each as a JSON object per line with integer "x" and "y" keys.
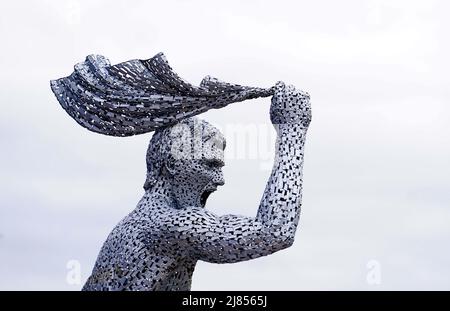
{"x": 158, "y": 244}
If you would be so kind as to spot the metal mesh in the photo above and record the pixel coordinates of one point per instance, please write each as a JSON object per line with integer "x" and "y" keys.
{"x": 139, "y": 96}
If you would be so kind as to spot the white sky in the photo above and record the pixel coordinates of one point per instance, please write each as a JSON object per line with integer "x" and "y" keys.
{"x": 376, "y": 175}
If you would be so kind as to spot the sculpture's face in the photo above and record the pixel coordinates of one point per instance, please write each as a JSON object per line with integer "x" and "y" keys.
{"x": 196, "y": 176}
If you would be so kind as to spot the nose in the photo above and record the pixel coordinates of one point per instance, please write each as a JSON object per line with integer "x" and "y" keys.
{"x": 219, "y": 180}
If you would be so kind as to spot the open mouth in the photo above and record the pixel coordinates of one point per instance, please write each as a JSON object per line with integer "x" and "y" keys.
{"x": 204, "y": 196}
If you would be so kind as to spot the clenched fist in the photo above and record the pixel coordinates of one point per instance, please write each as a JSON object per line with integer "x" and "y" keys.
{"x": 290, "y": 106}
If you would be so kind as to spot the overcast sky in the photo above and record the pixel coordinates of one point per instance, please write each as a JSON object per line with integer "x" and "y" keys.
{"x": 376, "y": 203}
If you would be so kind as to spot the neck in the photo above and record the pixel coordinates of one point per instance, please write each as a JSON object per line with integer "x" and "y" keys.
{"x": 162, "y": 188}
{"x": 177, "y": 194}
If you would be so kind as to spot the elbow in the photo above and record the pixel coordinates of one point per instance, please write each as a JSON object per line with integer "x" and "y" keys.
{"x": 288, "y": 242}
{"x": 279, "y": 238}
{"x": 283, "y": 242}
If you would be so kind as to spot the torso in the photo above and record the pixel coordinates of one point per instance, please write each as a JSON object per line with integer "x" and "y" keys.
{"x": 135, "y": 255}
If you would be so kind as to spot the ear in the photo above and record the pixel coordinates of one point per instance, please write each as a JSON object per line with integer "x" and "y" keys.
{"x": 169, "y": 164}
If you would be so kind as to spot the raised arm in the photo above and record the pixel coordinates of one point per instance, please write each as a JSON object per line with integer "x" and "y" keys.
{"x": 232, "y": 238}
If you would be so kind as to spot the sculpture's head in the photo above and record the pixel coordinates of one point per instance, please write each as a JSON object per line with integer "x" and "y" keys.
{"x": 187, "y": 159}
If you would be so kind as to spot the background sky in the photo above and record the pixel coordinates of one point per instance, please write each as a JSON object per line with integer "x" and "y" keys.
{"x": 376, "y": 177}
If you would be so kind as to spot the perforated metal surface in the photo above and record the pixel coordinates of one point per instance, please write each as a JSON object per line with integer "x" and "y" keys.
{"x": 139, "y": 96}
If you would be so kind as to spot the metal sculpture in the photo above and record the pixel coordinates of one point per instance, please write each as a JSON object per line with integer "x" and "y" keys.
{"x": 157, "y": 245}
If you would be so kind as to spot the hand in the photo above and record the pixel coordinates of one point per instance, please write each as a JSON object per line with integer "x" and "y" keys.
{"x": 290, "y": 106}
